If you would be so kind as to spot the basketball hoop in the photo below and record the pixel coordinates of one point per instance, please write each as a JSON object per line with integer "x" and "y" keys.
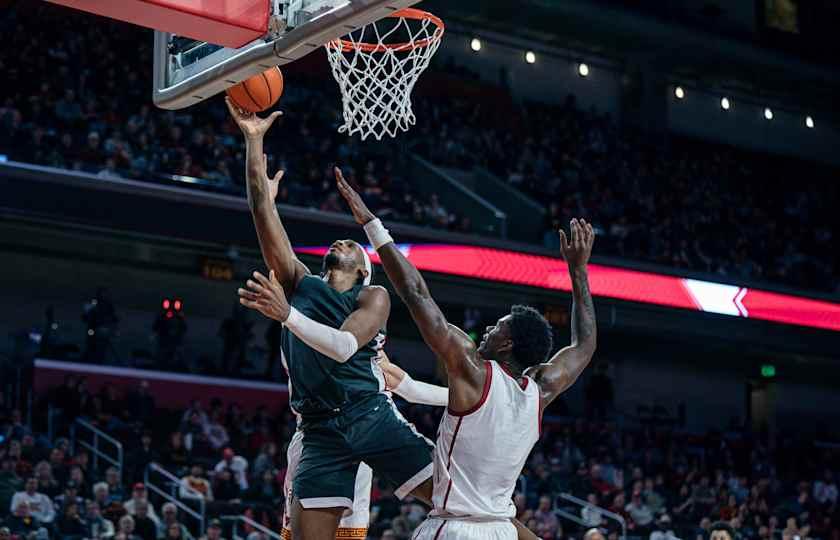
{"x": 376, "y": 76}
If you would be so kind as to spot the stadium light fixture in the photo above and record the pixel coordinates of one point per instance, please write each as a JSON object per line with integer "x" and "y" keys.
{"x": 725, "y": 104}
{"x": 809, "y": 122}
{"x": 583, "y": 70}
{"x": 768, "y": 113}
{"x": 679, "y": 93}
{"x": 530, "y": 57}
{"x": 475, "y": 44}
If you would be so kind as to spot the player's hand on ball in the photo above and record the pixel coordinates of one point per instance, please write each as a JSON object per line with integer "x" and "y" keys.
{"x": 360, "y": 210}
{"x": 251, "y": 125}
{"x": 577, "y": 250}
{"x": 265, "y": 294}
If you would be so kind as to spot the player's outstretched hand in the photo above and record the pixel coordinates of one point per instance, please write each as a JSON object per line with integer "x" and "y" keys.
{"x": 265, "y": 294}
{"x": 577, "y": 250}
{"x": 360, "y": 210}
{"x": 252, "y": 126}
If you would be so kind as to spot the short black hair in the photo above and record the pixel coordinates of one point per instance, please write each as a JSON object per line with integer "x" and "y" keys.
{"x": 722, "y": 526}
{"x": 531, "y": 335}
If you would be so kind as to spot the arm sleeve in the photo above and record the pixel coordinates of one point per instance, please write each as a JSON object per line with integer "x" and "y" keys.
{"x": 336, "y": 344}
{"x": 422, "y": 393}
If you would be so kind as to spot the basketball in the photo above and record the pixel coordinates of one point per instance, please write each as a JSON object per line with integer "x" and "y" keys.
{"x": 259, "y": 92}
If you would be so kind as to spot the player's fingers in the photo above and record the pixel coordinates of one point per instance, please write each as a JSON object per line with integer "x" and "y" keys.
{"x": 564, "y": 242}
{"x": 233, "y": 112}
{"x": 262, "y": 280}
{"x": 279, "y": 176}
{"x": 255, "y": 288}
{"x": 248, "y": 295}
{"x": 272, "y": 117}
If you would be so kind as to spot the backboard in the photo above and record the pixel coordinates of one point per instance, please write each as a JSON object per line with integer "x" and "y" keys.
{"x": 188, "y": 71}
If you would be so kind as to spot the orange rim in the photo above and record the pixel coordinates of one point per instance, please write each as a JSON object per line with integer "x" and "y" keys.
{"x": 406, "y": 13}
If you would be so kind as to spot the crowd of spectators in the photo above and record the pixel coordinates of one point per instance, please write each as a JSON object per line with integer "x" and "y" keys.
{"x": 73, "y": 101}
{"x": 665, "y": 482}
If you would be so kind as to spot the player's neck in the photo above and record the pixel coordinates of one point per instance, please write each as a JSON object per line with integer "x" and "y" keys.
{"x": 340, "y": 281}
{"x": 511, "y": 367}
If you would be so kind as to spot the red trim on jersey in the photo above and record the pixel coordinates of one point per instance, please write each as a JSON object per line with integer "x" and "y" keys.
{"x": 449, "y": 459}
{"x": 439, "y": 529}
{"x": 523, "y": 381}
{"x": 488, "y": 377}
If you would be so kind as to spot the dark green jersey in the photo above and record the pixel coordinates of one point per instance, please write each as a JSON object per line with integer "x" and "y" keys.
{"x": 318, "y": 385}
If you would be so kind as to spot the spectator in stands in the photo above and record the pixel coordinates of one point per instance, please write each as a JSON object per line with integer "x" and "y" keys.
{"x": 98, "y": 527}
{"x": 195, "y": 436}
{"x": 143, "y": 455}
{"x": 57, "y": 463}
{"x": 238, "y": 465}
{"x": 71, "y": 526}
{"x": 225, "y": 487}
{"x": 195, "y": 486}
{"x": 47, "y": 483}
{"x": 591, "y": 516}
{"x": 139, "y": 496}
{"x": 214, "y": 531}
{"x": 722, "y": 531}
{"x": 116, "y": 492}
{"x": 101, "y": 495}
{"x": 141, "y": 404}
{"x": 144, "y": 526}
{"x": 216, "y": 433}
{"x": 176, "y": 457}
{"x": 126, "y": 529}
{"x": 170, "y": 523}
{"x": 77, "y": 476}
{"x": 10, "y": 483}
{"x": 70, "y": 496}
{"x": 547, "y": 522}
{"x": 23, "y": 524}
{"x": 5, "y": 533}
{"x": 662, "y": 530}
{"x": 825, "y": 490}
{"x": 38, "y": 505}
{"x": 266, "y": 460}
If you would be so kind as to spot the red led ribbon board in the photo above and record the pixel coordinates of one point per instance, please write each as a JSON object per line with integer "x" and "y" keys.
{"x": 230, "y": 23}
{"x": 620, "y": 283}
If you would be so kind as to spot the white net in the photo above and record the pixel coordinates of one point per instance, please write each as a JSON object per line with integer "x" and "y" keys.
{"x": 376, "y": 69}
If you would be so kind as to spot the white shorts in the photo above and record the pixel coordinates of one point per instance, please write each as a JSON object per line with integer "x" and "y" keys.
{"x": 454, "y": 529}
{"x": 354, "y": 523}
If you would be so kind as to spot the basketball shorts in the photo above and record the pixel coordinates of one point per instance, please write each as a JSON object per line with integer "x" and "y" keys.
{"x": 354, "y": 522}
{"x": 454, "y": 529}
{"x": 373, "y": 432}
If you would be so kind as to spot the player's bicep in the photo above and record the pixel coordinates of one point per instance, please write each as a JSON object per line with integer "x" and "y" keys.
{"x": 370, "y": 318}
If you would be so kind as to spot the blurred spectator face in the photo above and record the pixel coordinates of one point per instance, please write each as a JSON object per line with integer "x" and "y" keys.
{"x": 112, "y": 476}
{"x": 57, "y": 456}
{"x": 545, "y": 504}
{"x": 170, "y": 513}
{"x": 720, "y": 535}
{"x": 77, "y": 475}
{"x": 31, "y": 485}
{"x": 139, "y": 492}
{"x": 175, "y": 440}
{"x": 214, "y": 532}
{"x": 173, "y": 531}
{"x": 593, "y": 534}
{"x": 43, "y": 471}
{"x": 5, "y": 533}
{"x": 93, "y": 140}
{"x": 592, "y": 499}
{"x": 93, "y": 510}
{"x": 126, "y": 525}
{"x": 197, "y": 471}
{"x": 71, "y": 510}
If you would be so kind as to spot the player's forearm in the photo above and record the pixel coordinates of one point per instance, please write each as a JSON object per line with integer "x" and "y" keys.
{"x": 523, "y": 532}
{"x": 584, "y": 324}
{"x": 422, "y": 393}
{"x": 259, "y": 199}
{"x": 331, "y": 342}
{"x": 404, "y": 276}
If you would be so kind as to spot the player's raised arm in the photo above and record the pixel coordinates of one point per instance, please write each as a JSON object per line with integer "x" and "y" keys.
{"x": 448, "y": 342}
{"x": 564, "y": 368}
{"x": 262, "y": 190}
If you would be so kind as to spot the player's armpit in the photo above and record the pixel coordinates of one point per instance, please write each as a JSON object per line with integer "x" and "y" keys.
{"x": 367, "y": 321}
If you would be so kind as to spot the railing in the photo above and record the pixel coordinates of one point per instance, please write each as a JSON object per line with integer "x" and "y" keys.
{"x": 235, "y": 531}
{"x": 586, "y": 504}
{"x": 99, "y": 437}
{"x": 174, "y": 484}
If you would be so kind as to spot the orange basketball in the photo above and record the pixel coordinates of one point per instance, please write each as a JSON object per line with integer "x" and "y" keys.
{"x": 259, "y": 92}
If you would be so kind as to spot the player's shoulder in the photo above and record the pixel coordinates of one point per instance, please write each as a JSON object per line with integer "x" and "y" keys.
{"x": 374, "y": 294}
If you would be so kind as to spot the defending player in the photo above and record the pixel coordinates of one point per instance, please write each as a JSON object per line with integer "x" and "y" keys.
{"x": 334, "y": 384}
{"x": 497, "y": 392}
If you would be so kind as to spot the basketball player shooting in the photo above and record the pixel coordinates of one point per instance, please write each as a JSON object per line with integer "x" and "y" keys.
{"x": 497, "y": 391}
{"x": 329, "y": 345}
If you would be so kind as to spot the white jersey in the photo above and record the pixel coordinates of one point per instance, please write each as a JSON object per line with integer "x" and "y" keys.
{"x": 479, "y": 454}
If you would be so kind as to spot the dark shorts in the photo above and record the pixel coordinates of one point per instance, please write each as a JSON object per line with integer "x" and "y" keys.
{"x": 374, "y": 432}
